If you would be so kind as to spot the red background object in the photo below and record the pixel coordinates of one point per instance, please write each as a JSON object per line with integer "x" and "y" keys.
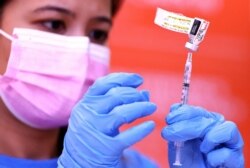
{"x": 220, "y": 78}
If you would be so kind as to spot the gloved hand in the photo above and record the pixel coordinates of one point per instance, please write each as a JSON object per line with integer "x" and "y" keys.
{"x": 93, "y": 138}
{"x": 210, "y": 141}
{"x": 133, "y": 159}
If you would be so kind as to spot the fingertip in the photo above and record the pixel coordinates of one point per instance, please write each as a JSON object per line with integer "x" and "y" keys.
{"x": 136, "y": 75}
{"x": 163, "y": 133}
{"x": 174, "y": 107}
{"x": 150, "y": 108}
{"x": 120, "y": 79}
{"x": 136, "y": 133}
{"x": 170, "y": 115}
{"x": 136, "y": 78}
{"x": 146, "y": 95}
{"x": 204, "y": 148}
{"x": 150, "y": 124}
{"x": 153, "y": 106}
{"x": 170, "y": 118}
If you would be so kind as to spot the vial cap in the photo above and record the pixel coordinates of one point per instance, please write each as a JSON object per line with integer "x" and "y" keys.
{"x": 191, "y": 46}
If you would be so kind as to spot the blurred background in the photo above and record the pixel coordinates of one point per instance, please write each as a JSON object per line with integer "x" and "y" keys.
{"x": 221, "y": 67}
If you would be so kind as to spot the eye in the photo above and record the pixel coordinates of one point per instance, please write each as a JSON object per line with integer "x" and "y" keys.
{"x": 55, "y": 26}
{"x": 98, "y": 36}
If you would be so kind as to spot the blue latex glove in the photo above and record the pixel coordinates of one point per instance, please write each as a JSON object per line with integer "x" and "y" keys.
{"x": 133, "y": 159}
{"x": 210, "y": 141}
{"x": 93, "y": 138}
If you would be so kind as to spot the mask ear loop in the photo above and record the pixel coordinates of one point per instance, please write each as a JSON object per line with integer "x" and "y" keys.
{"x": 6, "y": 35}
{"x": 9, "y": 37}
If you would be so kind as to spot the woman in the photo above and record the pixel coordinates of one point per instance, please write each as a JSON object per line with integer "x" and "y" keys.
{"x": 51, "y": 52}
{"x": 91, "y": 18}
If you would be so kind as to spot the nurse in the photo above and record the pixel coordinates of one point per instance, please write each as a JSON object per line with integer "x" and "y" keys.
{"x": 54, "y": 79}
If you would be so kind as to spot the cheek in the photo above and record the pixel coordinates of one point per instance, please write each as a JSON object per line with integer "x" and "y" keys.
{"x": 4, "y": 53}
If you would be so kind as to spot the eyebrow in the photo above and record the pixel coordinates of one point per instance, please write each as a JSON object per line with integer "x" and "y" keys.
{"x": 103, "y": 19}
{"x": 72, "y": 14}
{"x": 55, "y": 8}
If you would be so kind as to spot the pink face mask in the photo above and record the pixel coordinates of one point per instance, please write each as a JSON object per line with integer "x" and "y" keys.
{"x": 47, "y": 74}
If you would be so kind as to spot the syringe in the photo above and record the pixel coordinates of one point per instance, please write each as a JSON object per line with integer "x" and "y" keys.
{"x": 196, "y": 29}
{"x": 184, "y": 100}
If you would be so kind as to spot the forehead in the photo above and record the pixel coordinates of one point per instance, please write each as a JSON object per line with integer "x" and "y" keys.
{"x": 80, "y": 7}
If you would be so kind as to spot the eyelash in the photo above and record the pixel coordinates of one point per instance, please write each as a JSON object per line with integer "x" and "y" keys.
{"x": 98, "y": 36}
{"x": 58, "y": 26}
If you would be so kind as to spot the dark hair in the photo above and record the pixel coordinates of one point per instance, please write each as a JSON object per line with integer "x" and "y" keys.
{"x": 2, "y": 4}
{"x": 116, "y": 4}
